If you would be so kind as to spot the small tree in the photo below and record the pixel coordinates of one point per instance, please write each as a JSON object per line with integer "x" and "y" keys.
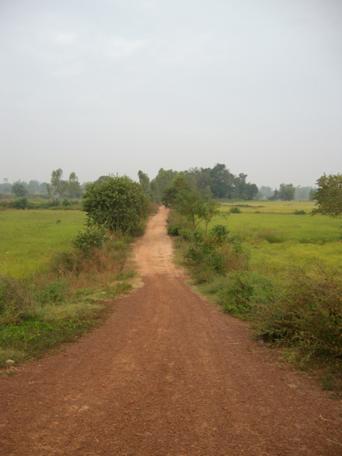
{"x": 116, "y": 203}
{"x": 145, "y": 183}
{"x": 286, "y": 192}
{"x": 329, "y": 195}
{"x": 58, "y": 186}
{"x": 189, "y": 202}
{"x": 73, "y": 186}
{"x": 19, "y": 190}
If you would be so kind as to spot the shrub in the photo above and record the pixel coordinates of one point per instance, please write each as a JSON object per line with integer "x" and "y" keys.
{"x": 235, "y": 210}
{"x": 308, "y": 315}
{"x": 117, "y": 203}
{"x": 241, "y": 291}
{"x": 299, "y": 212}
{"x": 52, "y": 293}
{"x": 219, "y": 234}
{"x": 66, "y": 262}
{"x": 15, "y": 300}
{"x": 213, "y": 255}
{"x": 173, "y": 230}
{"x": 20, "y": 203}
{"x": 93, "y": 237}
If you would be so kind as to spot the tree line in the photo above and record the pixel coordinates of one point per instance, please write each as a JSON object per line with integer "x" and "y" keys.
{"x": 58, "y": 188}
{"x": 218, "y": 182}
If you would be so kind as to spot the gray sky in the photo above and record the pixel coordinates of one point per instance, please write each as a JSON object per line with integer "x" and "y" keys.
{"x": 112, "y": 86}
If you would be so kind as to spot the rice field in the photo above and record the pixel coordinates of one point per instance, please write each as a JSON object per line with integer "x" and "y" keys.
{"x": 277, "y": 239}
{"x": 29, "y": 238}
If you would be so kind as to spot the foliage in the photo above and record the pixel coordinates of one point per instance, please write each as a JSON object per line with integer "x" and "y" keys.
{"x": 145, "y": 183}
{"x": 19, "y": 190}
{"x": 189, "y": 202}
{"x": 14, "y": 300}
{"x": 235, "y": 210}
{"x": 20, "y": 203}
{"x": 116, "y": 203}
{"x": 217, "y": 182}
{"x": 307, "y": 315}
{"x": 248, "y": 270}
{"x": 91, "y": 238}
{"x": 286, "y": 192}
{"x": 162, "y": 182}
{"x": 60, "y": 188}
{"x": 54, "y": 306}
{"x": 329, "y": 194}
{"x": 240, "y": 292}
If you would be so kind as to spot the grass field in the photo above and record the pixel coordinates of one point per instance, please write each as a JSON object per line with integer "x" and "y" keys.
{"x": 41, "y": 306}
{"x": 272, "y": 207}
{"x": 277, "y": 239}
{"x": 28, "y": 239}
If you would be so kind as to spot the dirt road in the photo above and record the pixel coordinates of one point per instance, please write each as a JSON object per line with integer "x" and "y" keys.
{"x": 166, "y": 374}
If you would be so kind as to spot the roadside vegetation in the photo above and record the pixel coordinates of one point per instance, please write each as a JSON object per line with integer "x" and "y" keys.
{"x": 57, "y": 279}
{"x": 280, "y": 269}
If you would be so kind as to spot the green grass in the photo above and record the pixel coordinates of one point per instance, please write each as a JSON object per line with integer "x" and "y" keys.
{"x": 50, "y": 290}
{"x": 280, "y": 271}
{"x": 276, "y": 241}
{"x": 28, "y": 239}
{"x": 273, "y": 207}
{"x": 49, "y": 324}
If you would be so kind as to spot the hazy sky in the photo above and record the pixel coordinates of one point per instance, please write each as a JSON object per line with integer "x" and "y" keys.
{"x": 112, "y": 86}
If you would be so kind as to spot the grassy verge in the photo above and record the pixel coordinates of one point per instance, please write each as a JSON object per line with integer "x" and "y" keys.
{"x": 294, "y": 307}
{"x": 64, "y": 301}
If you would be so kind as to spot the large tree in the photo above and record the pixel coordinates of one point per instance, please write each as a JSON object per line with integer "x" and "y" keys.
{"x": 329, "y": 194}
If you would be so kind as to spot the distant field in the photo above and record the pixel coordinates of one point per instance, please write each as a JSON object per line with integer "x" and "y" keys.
{"x": 28, "y": 239}
{"x": 277, "y": 239}
{"x": 273, "y": 207}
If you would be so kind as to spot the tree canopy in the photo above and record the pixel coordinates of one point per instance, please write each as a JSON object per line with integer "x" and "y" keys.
{"x": 329, "y": 194}
{"x": 218, "y": 182}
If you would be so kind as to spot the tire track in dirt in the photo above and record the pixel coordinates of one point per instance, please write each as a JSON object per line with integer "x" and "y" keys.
{"x": 166, "y": 374}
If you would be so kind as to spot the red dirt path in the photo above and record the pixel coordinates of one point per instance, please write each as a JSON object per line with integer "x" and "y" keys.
{"x": 166, "y": 374}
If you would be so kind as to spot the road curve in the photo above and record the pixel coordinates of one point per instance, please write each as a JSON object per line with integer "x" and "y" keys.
{"x": 167, "y": 374}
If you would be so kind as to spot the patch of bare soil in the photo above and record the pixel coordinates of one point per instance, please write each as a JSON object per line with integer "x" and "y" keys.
{"x": 166, "y": 374}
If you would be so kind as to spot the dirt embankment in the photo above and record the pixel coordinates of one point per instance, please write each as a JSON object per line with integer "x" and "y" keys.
{"x": 167, "y": 374}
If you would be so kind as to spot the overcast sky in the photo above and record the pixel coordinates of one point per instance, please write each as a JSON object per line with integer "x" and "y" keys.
{"x": 113, "y": 86}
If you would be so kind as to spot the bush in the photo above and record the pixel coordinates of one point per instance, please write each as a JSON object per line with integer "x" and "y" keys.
{"x": 235, "y": 210}
{"x": 93, "y": 237}
{"x": 173, "y": 230}
{"x": 15, "y": 300}
{"x": 299, "y": 212}
{"x": 117, "y": 203}
{"x": 52, "y": 293}
{"x": 213, "y": 255}
{"x": 243, "y": 290}
{"x": 308, "y": 315}
{"x": 219, "y": 234}
{"x": 20, "y": 203}
{"x": 66, "y": 262}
